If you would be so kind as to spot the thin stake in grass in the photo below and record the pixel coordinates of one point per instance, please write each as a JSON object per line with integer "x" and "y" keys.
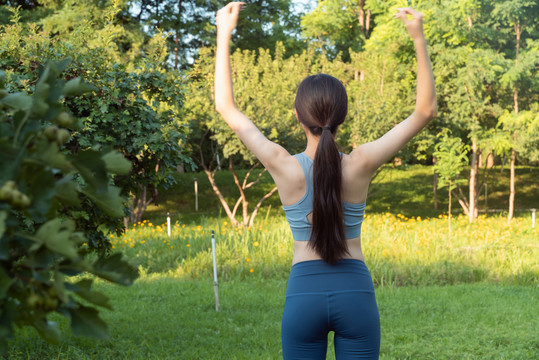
{"x": 168, "y": 224}
{"x": 215, "y": 285}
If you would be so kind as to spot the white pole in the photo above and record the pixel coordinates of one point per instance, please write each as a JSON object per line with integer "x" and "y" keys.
{"x": 533, "y": 218}
{"x": 215, "y": 285}
{"x": 218, "y": 162}
{"x": 196, "y": 194}
{"x": 168, "y": 224}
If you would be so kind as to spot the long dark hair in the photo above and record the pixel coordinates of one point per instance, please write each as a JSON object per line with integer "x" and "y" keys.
{"x": 322, "y": 104}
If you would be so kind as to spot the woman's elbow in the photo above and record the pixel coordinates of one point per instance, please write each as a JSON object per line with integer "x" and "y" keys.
{"x": 223, "y": 107}
{"x": 433, "y": 112}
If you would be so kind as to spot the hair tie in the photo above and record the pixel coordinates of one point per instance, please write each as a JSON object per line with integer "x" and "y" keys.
{"x": 326, "y": 128}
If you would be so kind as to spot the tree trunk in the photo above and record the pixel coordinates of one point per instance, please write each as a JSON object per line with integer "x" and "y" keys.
{"x": 138, "y": 206}
{"x": 518, "y": 32}
{"x": 490, "y": 160}
{"x": 361, "y": 15}
{"x": 222, "y": 200}
{"x": 257, "y": 207}
{"x": 364, "y": 18}
{"x": 244, "y": 202}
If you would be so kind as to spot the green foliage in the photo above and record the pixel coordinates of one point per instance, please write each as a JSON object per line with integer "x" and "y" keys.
{"x": 135, "y": 110}
{"x": 190, "y": 26}
{"x": 43, "y": 196}
{"x": 333, "y": 26}
{"x": 525, "y": 126}
{"x": 451, "y": 158}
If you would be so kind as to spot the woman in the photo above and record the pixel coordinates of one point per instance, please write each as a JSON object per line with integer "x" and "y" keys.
{"x": 323, "y": 194}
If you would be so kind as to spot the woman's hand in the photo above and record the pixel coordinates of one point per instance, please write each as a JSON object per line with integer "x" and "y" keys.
{"x": 414, "y": 26}
{"x": 227, "y": 17}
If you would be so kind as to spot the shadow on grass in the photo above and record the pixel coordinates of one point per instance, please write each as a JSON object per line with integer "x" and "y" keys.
{"x": 407, "y": 190}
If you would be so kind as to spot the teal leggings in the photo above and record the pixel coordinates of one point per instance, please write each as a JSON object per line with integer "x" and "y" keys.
{"x": 321, "y": 298}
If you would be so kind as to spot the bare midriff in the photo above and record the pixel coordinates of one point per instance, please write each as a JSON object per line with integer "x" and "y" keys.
{"x": 303, "y": 252}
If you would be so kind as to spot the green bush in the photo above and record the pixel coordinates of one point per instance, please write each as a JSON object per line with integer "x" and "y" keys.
{"x": 45, "y": 193}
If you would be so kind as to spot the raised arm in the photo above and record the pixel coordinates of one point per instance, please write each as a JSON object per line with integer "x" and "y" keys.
{"x": 372, "y": 155}
{"x": 266, "y": 151}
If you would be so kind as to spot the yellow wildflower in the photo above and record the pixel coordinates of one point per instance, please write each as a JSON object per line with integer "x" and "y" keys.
{"x": 256, "y": 243}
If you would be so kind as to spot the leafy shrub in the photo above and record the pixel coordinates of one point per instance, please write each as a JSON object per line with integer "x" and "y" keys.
{"x": 45, "y": 192}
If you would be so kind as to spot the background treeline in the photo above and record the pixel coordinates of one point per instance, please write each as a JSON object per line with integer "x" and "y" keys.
{"x": 152, "y": 62}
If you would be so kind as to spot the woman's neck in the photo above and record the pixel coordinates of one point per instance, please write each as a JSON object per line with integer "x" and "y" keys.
{"x": 312, "y": 144}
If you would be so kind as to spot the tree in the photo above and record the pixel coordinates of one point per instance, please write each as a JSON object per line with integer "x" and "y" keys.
{"x": 338, "y": 26}
{"x": 451, "y": 158}
{"x": 521, "y": 17}
{"x": 466, "y": 71}
{"x": 136, "y": 108}
{"x": 190, "y": 26}
{"x": 43, "y": 192}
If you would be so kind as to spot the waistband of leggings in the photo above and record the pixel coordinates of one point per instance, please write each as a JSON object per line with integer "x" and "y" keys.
{"x": 316, "y": 266}
{"x": 318, "y": 276}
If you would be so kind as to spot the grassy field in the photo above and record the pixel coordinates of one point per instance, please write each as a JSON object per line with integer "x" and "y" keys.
{"x": 473, "y": 294}
{"x": 399, "y": 250}
{"x": 163, "y": 317}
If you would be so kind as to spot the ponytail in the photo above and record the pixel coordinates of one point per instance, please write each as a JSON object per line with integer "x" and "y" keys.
{"x": 327, "y": 236}
{"x": 322, "y": 104}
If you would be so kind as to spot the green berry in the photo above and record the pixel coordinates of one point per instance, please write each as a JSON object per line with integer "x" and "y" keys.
{"x": 65, "y": 119}
{"x": 20, "y": 200}
{"x": 62, "y": 136}
{"x": 6, "y": 194}
{"x": 51, "y": 132}
{"x": 10, "y": 185}
{"x": 34, "y": 300}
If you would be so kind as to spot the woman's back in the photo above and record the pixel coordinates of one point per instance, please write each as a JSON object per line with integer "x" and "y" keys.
{"x": 291, "y": 182}
{"x": 293, "y": 187}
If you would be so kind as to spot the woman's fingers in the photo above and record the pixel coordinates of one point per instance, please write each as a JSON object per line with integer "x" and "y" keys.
{"x": 413, "y": 25}
{"x": 403, "y": 12}
{"x": 410, "y": 11}
{"x": 227, "y": 17}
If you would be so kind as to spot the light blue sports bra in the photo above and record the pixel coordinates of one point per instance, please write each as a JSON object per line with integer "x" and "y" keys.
{"x": 296, "y": 214}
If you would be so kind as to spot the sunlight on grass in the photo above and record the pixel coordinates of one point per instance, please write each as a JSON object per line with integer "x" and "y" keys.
{"x": 399, "y": 250}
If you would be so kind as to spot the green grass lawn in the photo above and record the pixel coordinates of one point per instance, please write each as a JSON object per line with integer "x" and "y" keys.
{"x": 162, "y": 317}
{"x": 473, "y": 294}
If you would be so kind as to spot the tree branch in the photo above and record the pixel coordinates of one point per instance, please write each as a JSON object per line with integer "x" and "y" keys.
{"x": 257, "y": 207}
